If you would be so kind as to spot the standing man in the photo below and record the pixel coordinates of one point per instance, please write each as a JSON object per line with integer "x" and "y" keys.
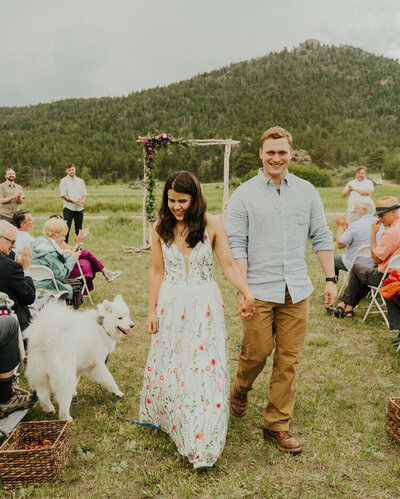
{"x": 356, "y": 188}
{"x": 73, "y": 193}
{"x": 11, "y": 196}
{"x": 15, "y": 278}
{"x": 269, "y": 220}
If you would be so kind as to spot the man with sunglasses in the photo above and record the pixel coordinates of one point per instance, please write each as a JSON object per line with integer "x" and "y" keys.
{"x": 362, "y": 276}
{"x": 15, "y": 278}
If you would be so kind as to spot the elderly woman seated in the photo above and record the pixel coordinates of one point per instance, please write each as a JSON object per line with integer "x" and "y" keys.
{"x": 46, "y": 251}
{"x": 89, "y": 263}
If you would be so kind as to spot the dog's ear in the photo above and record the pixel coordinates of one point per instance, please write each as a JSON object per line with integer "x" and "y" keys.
{"x": 107, "y": 306}
{"x": 119, "y": 299}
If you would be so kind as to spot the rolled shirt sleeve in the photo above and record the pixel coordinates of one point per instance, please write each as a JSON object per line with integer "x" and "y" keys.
{"x": 320, "y": 235}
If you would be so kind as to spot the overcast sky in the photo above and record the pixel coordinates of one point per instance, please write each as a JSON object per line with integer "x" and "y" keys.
{"x": 56, "y": 49}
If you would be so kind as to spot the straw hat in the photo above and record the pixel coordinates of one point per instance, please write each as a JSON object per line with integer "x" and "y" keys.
{"x": 385, "y": 204}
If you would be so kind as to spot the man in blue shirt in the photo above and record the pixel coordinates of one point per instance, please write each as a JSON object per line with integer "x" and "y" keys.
{"x": 269, "y": 220}
{"x": 357, "y": 234}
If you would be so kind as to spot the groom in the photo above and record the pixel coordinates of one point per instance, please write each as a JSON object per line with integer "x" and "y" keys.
{"x": 269, "y": 220}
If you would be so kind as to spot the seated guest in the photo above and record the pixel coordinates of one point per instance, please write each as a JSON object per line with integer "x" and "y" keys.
{"x": 362, "y": 276}
{"x": 46, "y": 251}
{"x": 89, "y": 263}
{"x": 355, "y": 235}
{"x": 23, "y": 220}
{"x": 15, "y": 278}
{"x": 12, "y": 398}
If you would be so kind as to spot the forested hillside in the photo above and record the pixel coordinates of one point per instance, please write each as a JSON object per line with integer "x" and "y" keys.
{"x": 340, "y": 103}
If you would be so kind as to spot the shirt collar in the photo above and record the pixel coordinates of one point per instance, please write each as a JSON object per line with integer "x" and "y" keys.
{"x": 9, "y": 183}
{"x": 288, "y": 178}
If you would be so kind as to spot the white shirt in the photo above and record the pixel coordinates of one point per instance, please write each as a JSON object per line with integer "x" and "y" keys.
{"x": 74, "y": 188}
{"x": 23, "y": 239}
{"x": 364, "y": 185}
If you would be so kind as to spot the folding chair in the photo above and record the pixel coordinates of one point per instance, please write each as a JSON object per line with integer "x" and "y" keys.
{"x": 42, "y": 273}
{"x": 363, "y": 251}
{"x": 394, "y": 263}
{"x": 8, "y": 423}
{"x": 85, "y": 286}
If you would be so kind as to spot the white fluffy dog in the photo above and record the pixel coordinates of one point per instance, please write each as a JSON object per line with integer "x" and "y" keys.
{"x": 63, "y": 343}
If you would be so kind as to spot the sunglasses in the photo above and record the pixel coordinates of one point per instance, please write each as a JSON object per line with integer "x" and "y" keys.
{"x": 12, "y": 241}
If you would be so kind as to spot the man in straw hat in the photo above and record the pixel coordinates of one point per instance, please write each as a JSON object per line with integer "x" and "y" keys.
{"x": 362, "y": 276}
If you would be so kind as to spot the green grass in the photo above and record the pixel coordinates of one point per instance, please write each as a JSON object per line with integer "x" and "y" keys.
{"x": 348, "y": 371}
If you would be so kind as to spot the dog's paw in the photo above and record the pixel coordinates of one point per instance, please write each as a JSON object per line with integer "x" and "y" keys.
{"x": 119, "y": 394}
{"x": 48, "y": 409}
{"x": 65, "y": 418}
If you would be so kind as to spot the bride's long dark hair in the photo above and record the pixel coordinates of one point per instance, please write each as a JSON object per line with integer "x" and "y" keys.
{"x": 195, "y": 216}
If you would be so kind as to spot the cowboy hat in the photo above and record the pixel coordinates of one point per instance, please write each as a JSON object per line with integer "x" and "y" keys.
{"x": 385, "y": 204}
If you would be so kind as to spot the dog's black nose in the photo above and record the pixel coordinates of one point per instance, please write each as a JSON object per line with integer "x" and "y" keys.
{"x": 131, "y": 326}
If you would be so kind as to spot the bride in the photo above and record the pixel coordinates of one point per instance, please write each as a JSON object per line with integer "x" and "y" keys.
{"x": 186, "y": 379}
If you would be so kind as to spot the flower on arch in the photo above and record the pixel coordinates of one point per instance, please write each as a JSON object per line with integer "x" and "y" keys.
{"x": 199, "y": 436}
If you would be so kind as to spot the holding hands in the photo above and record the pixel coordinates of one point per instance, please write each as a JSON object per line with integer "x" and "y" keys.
{"x": 246, "y": 306}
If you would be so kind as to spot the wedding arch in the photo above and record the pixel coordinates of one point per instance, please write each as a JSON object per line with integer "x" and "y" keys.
{"x": 151, "y": 144}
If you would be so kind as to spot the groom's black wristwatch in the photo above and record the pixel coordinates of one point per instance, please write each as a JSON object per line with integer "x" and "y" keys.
{"x": 331, "y": 279}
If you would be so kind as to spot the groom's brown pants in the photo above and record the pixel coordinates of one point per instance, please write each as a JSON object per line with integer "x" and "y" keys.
{"x": 282, "y": 325}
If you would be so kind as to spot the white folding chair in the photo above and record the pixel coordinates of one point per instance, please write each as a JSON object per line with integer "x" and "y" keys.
{"x": 42, "y": 273}
{"x": 363, "y": 251}
{"x": 394, "y": 263}
{"x": 85, "y": 286}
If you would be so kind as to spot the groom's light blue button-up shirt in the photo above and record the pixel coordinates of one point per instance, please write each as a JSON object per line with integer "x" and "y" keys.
{"x": 271, "y": 230}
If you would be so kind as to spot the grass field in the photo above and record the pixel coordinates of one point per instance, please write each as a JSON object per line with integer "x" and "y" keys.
{"x": 348, "y": 371}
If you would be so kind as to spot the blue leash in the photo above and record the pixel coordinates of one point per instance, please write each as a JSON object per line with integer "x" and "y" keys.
{"x": 149, "y": 425}
{"x": 238, "y": 350}
{"x": 125, "y": 419}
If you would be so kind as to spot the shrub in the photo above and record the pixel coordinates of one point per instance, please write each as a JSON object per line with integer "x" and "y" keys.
{"x": 343, "y": 174}
{"x": 313, "y": 174}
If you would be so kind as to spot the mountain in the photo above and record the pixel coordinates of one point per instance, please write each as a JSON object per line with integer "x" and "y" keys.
{"x": 339, "y": 103}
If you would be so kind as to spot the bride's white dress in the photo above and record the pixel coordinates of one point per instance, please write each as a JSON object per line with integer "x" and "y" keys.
{"x": 186, "y": 379}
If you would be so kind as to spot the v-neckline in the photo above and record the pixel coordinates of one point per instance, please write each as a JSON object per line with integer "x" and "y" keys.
{"x": 187, "y": 270}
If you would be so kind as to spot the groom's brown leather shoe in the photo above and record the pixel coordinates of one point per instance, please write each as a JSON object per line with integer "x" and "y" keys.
{"x": 284, "y": 441}
{"x": 238, "y": 403}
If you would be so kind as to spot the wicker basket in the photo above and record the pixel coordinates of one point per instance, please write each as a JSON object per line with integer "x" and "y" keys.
{"x": 20, "y": 466}
{"x": 393, "y": 418}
